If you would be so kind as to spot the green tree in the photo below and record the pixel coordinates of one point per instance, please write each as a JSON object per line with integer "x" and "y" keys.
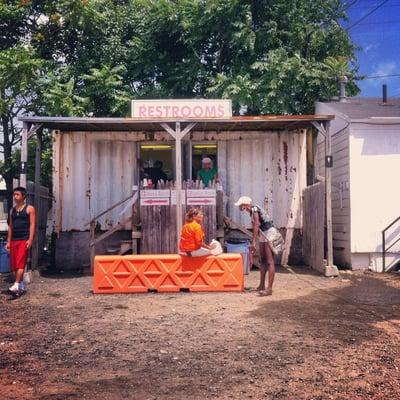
{"x": 20, "y": 71}
{"x": 89, "y": 57}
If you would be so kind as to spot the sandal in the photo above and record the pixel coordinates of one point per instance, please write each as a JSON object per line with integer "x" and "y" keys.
{"x": 263, "y": 293}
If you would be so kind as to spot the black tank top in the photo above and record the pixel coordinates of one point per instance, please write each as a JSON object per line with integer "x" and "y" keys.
{"x": 20, "y": 224}
{"x": 265, "y": 220}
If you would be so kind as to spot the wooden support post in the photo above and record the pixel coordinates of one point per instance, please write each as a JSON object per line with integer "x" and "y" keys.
{"x": 178, "y": 135}
{"x": 330, "y": 268}
{"x": 24, "y": 155}
{"x": 178, "y": 163}
{"x": 38, "y": 157}
{"x": 92, "y": 248}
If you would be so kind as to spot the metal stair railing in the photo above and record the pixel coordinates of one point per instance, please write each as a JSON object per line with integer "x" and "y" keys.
{"x": 384, "y": 248}
{"x": 92, "y": 223}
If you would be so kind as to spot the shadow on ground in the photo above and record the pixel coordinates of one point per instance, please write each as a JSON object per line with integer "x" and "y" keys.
{"x": 340, "y": 313}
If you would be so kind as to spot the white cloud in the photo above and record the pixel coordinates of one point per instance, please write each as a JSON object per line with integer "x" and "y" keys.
{"x": 370, "y": 47}
{"x": 382, "y": 69}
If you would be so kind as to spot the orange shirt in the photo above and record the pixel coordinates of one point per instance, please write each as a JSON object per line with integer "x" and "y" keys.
{"x": 192, "y": 236}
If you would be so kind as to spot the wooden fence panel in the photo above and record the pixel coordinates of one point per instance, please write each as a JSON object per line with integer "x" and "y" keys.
{"x": 313, "y": 226}
{"x": 158, "y": 224}
{"x": 41, "y": 219}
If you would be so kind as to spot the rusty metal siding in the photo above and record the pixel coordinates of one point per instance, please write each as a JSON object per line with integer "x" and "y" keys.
{"x": 272, "y": 171}
{"x": 91, "y": 173}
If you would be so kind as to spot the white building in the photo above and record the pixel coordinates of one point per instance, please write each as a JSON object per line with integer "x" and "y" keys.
{"x": 366, "y": 192}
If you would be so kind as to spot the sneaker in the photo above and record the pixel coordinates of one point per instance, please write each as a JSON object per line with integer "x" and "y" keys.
{"x": 14, "y": 289}
{"x": 21, "y": 288}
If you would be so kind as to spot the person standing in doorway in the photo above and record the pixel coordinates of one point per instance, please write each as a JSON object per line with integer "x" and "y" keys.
{"x": 261, "y": 222}
{"x": 21, "y": 231}
{"x": 207, "y": 174}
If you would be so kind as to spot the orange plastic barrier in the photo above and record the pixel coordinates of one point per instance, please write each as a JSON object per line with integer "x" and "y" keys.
{"x": 168, "y": 273}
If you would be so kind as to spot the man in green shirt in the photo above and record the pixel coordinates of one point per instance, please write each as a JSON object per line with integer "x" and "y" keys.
{"x": 207, "y": 174}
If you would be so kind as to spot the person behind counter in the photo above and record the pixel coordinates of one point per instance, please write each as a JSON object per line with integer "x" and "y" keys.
{"x": 207, "y": 173}
{"x": 192, "y": 236}
{"x": 157, "y": 174}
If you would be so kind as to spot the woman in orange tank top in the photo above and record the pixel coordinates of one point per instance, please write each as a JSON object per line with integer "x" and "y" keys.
{"x": 192, "y": 236}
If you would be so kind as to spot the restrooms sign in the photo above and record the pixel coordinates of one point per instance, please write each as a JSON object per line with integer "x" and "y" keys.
{"x": 185, "y": 109}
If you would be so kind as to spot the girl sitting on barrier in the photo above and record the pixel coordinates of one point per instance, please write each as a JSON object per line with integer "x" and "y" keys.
{"x": 192, "y": 237}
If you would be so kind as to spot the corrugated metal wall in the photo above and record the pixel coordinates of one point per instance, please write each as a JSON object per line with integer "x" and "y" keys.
{"x": 271, "y": 170}
{"x": 91, "y": 173}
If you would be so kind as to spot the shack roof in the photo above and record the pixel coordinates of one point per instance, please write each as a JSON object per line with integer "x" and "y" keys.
{"x": 243, "y": 123}
{"x": 365, "y": 107}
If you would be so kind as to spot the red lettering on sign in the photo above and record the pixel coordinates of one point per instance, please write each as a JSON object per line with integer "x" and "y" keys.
{"x": 175, "y": 111}
{"x": 162, "y": 201}
{"x": 220, "y": 111}
{"x": 150, "y": 111}
{"x": 210, "y": 111}
{"x": 158, "y": 111}
{"x": 198, "y": 111}
{"x": 142, "y": 111}
{"x": 185, "y": 111}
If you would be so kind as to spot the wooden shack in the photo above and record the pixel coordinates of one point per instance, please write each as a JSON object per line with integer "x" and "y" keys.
{"x": 98, "y": 162}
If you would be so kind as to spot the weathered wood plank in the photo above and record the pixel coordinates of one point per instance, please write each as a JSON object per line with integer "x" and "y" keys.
{"x": 313, "y": 228}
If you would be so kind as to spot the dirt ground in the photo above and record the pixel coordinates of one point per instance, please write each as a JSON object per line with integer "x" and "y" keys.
{"x": 315, "y": 338}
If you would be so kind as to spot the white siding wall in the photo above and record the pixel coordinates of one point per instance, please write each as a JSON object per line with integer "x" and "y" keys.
{"x": 341, "y": 226}
{"x": 375, "y": 192}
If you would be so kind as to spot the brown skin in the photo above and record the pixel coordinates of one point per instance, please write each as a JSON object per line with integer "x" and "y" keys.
{"x": 19, "y": 200}
{"x": 199, "y": 219}
{"x": 266, "y": 257}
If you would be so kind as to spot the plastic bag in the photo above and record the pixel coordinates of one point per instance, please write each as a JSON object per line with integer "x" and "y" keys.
{"x": 218, "y": 249}
{"x": 275, "y": 240}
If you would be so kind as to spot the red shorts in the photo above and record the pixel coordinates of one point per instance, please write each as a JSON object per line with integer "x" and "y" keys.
{"x": 18, "y": 254}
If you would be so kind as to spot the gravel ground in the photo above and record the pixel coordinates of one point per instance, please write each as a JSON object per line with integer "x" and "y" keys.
{"x": 315, "y": 338}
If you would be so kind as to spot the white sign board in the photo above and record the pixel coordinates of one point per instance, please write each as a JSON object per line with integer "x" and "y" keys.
{"x": 162, "y": 201}
{"x": 173, "y": 197}
{"x": 196, "y": 109}
{"x": 151, "y": 194}
{"x": 201, "y": 193}
{"x": 201, "y": 201}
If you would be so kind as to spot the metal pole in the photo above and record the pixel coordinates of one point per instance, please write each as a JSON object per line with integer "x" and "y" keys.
{"x": 24, "y": 155}
{"x": 383, "y": 251}
{"x": 331, "y": 269}
{"x": 178, "y": 163}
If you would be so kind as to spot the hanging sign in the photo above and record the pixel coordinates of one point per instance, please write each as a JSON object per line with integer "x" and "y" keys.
{"x": 147, "y": 194}
{"x": 199, "y": 108}
{"x": 201, "y": 201}
{"x": 201, "y": 193}
{"x": 155, "y": 202}
{"x": 154, "y": 197}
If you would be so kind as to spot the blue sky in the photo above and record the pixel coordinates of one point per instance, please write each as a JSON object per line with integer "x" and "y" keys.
{"x": 378, "y": 35}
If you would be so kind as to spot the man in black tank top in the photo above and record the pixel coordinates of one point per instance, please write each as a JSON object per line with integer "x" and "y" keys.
{"x": 21, "y": 231}
{"x": 261, "y": 222}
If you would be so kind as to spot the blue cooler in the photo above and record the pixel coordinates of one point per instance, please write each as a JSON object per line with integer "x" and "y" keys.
{"x": 4, "y": 259}
{"x": 241, "y": 248}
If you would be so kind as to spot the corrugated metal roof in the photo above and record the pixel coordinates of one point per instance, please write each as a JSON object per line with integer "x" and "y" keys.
{"x": 139, "y": 124}
{"x": 360, "y": 108}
